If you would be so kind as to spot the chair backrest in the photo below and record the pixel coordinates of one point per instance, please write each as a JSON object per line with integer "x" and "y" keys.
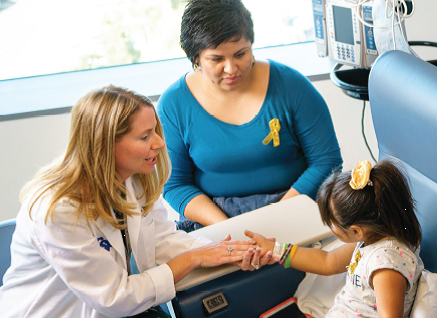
{"x": 7, "y": 228}
{"x": 403, "y": 100}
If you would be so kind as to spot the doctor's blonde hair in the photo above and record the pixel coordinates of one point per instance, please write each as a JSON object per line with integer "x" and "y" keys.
{"x": 86, "y": 173}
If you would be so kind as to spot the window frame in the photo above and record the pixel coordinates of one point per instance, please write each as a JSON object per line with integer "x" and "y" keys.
{"x": 57, "y": 93}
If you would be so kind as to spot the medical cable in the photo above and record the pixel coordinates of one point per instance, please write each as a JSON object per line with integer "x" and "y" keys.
{"x": 392, "y": 23}
{"x": 404, "y": 6}
{"x": 403, "y": 33}
{"x": 404, "y": 16}
{"x": 396, "y": 12}
{"x": 357, "y": 4}
{"x": 363, "y": 132}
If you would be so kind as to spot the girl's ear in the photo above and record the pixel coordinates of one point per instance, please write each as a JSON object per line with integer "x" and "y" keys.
{"x": 358, "y": 232}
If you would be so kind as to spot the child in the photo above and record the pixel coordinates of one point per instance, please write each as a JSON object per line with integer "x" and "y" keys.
{"x": 372, "y": 211}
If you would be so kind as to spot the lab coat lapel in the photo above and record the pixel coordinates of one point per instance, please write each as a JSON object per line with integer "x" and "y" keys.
{"x": 134, "y": 222}
{"x": 113, "y": 236}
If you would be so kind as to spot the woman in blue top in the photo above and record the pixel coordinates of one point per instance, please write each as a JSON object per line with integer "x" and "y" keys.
{"x": 241, "y": 133}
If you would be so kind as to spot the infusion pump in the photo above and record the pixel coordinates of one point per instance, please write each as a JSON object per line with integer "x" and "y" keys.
{"x": 340, "y": 33}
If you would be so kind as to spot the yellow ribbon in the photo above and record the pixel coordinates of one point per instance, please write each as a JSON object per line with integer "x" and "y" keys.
{"x": 275, "y": 127}
{"x": 354, "y": 265}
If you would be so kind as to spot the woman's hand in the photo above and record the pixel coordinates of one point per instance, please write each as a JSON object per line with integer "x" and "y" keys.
{"x": 245, "y": 254}
{"x": 257, "y": 257}
{"x": 252, "y": 260}
{"x": 213, "y": 254}
{"x": 223, "y": 252}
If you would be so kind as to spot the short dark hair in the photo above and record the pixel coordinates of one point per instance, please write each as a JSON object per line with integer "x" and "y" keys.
{"x": 209, "y": 23}
{"x": 387, "y": 208}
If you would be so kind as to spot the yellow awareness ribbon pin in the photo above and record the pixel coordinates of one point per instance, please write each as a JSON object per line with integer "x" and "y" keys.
{"x": 275, "y": 127}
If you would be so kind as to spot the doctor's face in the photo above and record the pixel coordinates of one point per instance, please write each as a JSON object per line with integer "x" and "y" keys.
{"x": 138, "y": 149}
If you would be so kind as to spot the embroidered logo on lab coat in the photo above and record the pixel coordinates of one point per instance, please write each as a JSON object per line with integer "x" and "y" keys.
{"x": 104, "y": 243}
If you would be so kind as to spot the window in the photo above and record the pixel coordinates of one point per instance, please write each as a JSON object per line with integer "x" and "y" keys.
{"x": 55, "y": 36}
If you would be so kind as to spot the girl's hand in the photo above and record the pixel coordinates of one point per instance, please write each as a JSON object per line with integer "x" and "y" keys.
{"x": 265, "y": 244}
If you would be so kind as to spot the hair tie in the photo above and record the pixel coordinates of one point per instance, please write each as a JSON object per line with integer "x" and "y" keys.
{"x": 360, "y": 175}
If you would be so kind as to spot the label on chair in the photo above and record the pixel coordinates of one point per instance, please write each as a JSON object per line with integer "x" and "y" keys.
{"x": 214, "y": 303}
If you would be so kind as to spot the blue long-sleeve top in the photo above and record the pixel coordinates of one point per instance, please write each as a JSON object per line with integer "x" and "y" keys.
{"x": 219, "y": 159}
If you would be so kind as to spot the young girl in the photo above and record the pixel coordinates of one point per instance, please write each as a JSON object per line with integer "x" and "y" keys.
{"x": 372, "y": 211}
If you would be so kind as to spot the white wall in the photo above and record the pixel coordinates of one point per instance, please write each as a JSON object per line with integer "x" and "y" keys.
{"x": 27, "y": 144}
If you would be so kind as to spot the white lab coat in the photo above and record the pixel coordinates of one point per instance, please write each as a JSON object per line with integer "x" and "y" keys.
{"x": 61, "y": 269}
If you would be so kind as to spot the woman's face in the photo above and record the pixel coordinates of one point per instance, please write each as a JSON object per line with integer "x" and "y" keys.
{"x": 138, "y": 149}
{"x": 228, "y": 65}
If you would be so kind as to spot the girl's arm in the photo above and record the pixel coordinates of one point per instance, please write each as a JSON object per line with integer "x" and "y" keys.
{"x": 312, "y": 260}
{"x": 313, "y": 127}
{"x": 390, "y": 287}
{"x": 322, "y": 262}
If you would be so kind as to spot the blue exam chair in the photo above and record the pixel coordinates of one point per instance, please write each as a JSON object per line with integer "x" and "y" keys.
{"x": 403, "y": 95}
{"x": 7, "y": 228}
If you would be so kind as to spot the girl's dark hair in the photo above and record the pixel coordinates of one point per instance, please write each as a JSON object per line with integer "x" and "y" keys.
{"x": 386, "y": 208}
{"x": 209, "y": 23}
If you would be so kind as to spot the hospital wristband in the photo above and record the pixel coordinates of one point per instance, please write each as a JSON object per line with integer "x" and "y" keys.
{"x": 278, "y": 250}
{"x": 287, "y": 263}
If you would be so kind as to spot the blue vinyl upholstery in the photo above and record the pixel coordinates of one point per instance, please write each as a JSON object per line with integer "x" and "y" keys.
{"x": 7, "y": 228}
{"x": 403, "y": 100}
{"x": 248, "y": 293}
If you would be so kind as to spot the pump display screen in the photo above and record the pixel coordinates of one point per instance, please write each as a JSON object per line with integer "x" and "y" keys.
{"x": 343, "y": 28}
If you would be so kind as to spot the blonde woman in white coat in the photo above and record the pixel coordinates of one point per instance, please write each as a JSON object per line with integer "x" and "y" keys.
{"x": 82, "y": 215}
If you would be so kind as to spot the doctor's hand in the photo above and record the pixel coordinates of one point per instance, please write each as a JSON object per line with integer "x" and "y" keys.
{"x": 252, "y": 259}
{"x": 257, "y": 257}
{"x": 223, "y": 252}
{"x": 210, "y": 255}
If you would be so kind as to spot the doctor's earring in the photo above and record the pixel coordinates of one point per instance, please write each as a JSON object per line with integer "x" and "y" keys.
{"x": 196, "y": 67}
{"x": 253, "y": 60}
